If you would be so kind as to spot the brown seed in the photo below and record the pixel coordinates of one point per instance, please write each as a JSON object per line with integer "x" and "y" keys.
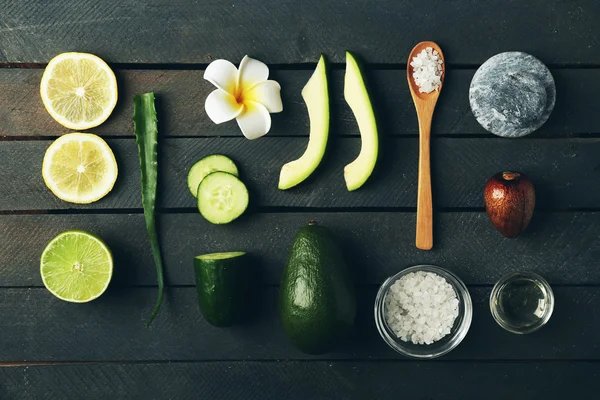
{"x": 509, "y": 201}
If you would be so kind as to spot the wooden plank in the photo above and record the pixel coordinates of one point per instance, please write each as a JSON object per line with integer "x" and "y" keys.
{"x": 249, "y": 380}
{"x": 288, "y": 31}
{"x": 38, "y": 327}
{"x": 563, "y": 247}
{"x": 565, "y": 172}
{"x": 182, "y": 94}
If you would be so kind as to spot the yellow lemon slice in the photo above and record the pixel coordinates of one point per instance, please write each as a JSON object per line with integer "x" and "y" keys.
{"x": 79, "y": 90}
{"x": 79, "y": 168}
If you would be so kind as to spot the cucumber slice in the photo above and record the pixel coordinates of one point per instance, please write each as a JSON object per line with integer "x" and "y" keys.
{"x": 222, "y": 197}
{"x": 212, "y": 163}
{"x": 222, "y": 282}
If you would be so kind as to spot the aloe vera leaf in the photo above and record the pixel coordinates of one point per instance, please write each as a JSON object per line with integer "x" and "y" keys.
{"x": 146, "y": 135}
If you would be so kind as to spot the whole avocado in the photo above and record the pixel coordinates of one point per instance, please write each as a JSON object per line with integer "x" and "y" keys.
{"x": 317, "y": 301}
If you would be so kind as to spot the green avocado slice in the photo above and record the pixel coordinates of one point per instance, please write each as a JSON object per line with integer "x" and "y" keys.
{"x": 358, "y": 171}
{"x": 316, "y": 97}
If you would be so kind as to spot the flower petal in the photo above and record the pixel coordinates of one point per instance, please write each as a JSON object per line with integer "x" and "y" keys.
{"x": 268, "y": 94}
{"x": 221, "y": 106}
{"x": 251, "y": 72}
{"x": 222, "y": 74}
{"x": 255, "y": 121}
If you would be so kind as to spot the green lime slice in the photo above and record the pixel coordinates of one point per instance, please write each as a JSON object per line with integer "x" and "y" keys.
{"x": 76, "y": 266}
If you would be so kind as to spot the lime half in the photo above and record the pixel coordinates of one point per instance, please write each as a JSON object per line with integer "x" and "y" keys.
{"x": 76, "y": 266}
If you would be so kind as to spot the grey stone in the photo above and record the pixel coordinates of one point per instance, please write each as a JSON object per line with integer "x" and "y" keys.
{"x": 512, "y": 94}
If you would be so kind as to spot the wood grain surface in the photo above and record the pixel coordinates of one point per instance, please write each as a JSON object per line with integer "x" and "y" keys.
{"x": 38, "y": 327}
{"x": 565, "y": 172}
{"x": 181, "y": 95}
{"x": 101, "y": 350}
{"x": 330, "y": 380}
{"x": 562, "y": 247}
{"x": 291, "y": 31}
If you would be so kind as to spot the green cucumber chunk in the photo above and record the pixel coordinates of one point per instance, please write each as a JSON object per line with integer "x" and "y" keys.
{"x": 222, "y": 197}
{"x": 221, "y": 256}
{"x": 207, "y": 165}
{"x": 222, "y": 282}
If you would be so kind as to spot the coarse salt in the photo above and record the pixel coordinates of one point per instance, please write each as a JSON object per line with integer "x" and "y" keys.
{"x": 421, "y": 307}
{"x": 427, "y": 70}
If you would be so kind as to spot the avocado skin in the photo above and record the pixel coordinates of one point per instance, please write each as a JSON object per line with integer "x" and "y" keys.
{"x": 317, "y": 302}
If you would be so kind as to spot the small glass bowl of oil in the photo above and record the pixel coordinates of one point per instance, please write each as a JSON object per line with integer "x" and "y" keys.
{"x": 522, "y": 302}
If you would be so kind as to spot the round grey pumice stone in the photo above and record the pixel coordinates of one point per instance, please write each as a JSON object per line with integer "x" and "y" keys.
{"x": 512, "y": 94}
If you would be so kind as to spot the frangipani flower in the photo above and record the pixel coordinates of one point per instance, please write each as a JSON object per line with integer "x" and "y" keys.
{"x": 245, "y": 94}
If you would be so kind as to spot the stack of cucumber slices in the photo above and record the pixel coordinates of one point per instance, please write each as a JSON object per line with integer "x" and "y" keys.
{"x": 222, "y": 196}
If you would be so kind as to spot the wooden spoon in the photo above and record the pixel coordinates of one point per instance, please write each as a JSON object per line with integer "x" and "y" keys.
{"x": 425, "y": 104}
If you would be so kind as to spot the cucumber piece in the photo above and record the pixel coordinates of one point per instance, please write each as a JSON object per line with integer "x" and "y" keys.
{"x": 212, "y": 163}
{"x": 222, "y": 197}
{"x": 222, "y": 281}
{"x": 221, "y": 256}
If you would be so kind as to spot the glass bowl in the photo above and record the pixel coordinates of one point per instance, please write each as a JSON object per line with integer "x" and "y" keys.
{"x": 444, "y": 345}
{"x": 544, "y": 304}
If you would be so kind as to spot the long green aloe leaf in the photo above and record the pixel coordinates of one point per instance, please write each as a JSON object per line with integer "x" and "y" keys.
{"x": 146, "y": 134}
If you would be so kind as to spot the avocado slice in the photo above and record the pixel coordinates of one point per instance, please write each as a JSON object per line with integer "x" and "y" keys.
{"x": 222, "y": 282}
{"x": 358, "y": 171}
{"x": 317, "y": 301}
{"x": 316, "y": 97}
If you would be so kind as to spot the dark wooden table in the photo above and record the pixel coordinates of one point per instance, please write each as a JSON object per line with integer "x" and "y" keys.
{"x": 55, "y": 350}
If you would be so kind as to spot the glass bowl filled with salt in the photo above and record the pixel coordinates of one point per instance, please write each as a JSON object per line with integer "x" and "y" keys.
{"x": 423, "y": 311}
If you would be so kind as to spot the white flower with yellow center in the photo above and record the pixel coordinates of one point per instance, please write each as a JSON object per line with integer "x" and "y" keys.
{"x": 245, "y": 94}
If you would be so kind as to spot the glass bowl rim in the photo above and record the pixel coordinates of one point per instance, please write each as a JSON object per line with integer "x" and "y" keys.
{"x": 456, "y": 338}
{"x": 507, "y": 278}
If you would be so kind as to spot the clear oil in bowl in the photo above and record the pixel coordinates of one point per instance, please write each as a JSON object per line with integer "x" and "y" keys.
{"x": 522, "y": 302}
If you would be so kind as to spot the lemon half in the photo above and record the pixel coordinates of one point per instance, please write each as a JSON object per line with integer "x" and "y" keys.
{"x": 79, "y": 90}
{"x": 79, "y": 168}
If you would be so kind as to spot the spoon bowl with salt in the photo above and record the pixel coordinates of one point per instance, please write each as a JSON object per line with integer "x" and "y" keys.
{"x": 425, "y": 73}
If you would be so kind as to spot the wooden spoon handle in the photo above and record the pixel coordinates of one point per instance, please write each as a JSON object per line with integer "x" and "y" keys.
{"x": 424, "y": 239}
